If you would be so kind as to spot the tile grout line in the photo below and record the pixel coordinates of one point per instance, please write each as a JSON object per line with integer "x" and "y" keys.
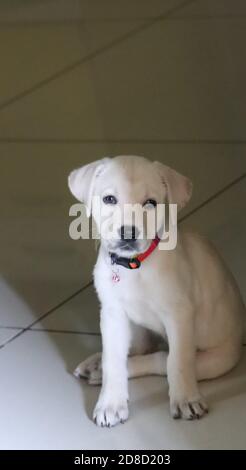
{"x": 50, "y": 330}
{"x": 76, "y": 22}
{"x": 45, "y": 141}
{"x": 92, "y": 55}
{"x": 3, "y": 327}
{"x": 73, "y": 332}
{"x": 213, "y": 197}
{"x": 90, "y": 283}
{"x": 28, "y": 328}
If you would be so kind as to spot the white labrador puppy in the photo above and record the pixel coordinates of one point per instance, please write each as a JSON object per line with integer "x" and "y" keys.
{"x": 186, "y": 296}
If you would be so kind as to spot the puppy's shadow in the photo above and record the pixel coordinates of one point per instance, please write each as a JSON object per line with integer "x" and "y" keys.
{"x": 83, "y": 346}
{"x": 157, "y": 400}
{"x": 227, "y": 387}
{"x": 90, "y": 395}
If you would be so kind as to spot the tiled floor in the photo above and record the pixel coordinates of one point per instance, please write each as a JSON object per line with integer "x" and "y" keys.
{"x": 78, "y": 82}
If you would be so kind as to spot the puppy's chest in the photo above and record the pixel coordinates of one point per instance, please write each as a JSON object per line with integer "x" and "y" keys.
{"x": 138, "y": 298}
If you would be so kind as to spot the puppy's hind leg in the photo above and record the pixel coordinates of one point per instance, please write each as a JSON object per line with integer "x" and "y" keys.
{"x": 218, "y": 361}
{"x": 90, "y": 369}
{"x": 147, "y": 364}
{"x": 138, "y": 366}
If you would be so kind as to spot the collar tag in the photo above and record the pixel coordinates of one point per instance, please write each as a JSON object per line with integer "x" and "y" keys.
{"x": 115, "y": 277}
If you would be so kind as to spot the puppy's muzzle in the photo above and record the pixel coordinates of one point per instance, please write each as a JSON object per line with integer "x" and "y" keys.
{"x": 128, "y": 235}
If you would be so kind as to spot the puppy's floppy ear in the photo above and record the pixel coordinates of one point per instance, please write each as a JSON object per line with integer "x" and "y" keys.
{"x": 82, "y": 180}
{"x": 179, "y": 187}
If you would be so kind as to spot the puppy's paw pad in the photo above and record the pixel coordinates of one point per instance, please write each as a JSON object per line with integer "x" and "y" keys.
{"x": 190, "y": 410}
{"x": 90, "y": 369}
{"x": 110, "y": 415}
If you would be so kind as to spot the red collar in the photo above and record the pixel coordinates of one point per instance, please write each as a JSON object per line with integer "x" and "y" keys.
{"x": 135, "y": 263}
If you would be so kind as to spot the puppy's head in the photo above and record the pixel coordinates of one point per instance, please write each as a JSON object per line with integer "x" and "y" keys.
{"x": 123, "y": 194}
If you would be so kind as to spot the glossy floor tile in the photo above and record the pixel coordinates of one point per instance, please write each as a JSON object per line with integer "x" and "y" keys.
{"x": 40, "y": 264}
{"x": 182, "y": 81}
{"x": 36, "y": 53}
{"x": 80, "y": 314}
{"x": 214, "y": 8}
{"x": 14, "y": 310}
{"x": 52, "y": 409}
{"x": 7, "y": 334}
{"x": 65, "y": 10}
{"x": 169, "y": 82}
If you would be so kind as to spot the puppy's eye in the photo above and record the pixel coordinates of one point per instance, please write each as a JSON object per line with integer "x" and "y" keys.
{"x": 109, "y": 199}
{"x": 150, "y": 202}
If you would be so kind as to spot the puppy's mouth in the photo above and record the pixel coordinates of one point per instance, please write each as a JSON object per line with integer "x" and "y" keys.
{"x": 130, "y": 245}
{"x": 129, "y": 248}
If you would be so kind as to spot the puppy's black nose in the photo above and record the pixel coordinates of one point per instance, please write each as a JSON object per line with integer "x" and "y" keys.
{"x": 128, "y": 232}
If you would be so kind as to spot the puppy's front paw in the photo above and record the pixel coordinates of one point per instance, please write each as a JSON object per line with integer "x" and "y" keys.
{"x": 188, "y": 409}
{"x": 109, "y": 413}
